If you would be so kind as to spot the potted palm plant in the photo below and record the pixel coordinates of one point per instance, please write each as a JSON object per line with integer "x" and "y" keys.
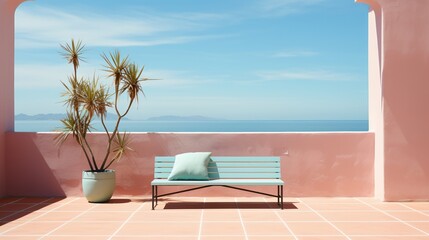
{"x": 87, "y": 98}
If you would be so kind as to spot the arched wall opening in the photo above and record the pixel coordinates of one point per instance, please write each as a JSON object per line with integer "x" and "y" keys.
{"x": 296, "y": 71}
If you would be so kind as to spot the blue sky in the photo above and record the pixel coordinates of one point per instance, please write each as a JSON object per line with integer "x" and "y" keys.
{"x": 229, "y": 59}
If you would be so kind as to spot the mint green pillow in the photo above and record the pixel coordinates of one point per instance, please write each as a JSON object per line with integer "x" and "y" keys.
{"x": 190, "y": 166}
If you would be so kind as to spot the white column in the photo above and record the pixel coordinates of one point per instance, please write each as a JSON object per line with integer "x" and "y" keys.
{"x": 375, "y": 101}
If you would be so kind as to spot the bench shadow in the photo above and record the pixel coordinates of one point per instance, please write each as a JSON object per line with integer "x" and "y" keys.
{"x": 227, "y": 205}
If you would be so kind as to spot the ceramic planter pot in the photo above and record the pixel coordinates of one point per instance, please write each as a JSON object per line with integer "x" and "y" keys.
{"x": 98, "y": 187}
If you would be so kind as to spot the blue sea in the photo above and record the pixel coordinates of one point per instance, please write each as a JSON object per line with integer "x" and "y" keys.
{"x": 211, "y": 126}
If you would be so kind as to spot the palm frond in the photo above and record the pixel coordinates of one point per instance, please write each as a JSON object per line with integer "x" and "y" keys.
{"x": 102, "y": 101}
{"x": 71, "y": 93}
{"x": 121, "y": 144}
{"x": 131, "y": 82}
{"x": 115, "y": 66}
{"x": 68, "y": 127}
{"x": 73, "y": 52}
{"x": 94, "y": 98}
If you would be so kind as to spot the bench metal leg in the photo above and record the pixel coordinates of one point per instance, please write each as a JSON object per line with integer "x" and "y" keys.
{"x": 278, "y": 195}
{"x": 156, "y": 195}
{"x": 153, "y": 196}
{"x": 282, "y": 195}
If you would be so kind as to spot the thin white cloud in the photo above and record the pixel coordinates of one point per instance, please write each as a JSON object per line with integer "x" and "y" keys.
{"x": 43, "y": 27}
{"x": 35, "y": 75}
{"x": 291, "y": 54}
{"x": 46, "y": 76}
{"x": 284, "y": 7}
{"x": 169, "y": 78}
{"x": 321, "y": 75}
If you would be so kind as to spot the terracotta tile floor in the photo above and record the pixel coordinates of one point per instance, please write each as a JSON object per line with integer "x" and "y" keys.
{"x": 213, "y": 218}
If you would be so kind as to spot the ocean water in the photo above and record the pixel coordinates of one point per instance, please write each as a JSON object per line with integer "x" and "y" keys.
{"x": 212, "y": 126}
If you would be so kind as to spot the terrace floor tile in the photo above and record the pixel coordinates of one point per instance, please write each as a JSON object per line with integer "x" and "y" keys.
{"x": 224, "y": 218}
{"x": 377, "y": 228}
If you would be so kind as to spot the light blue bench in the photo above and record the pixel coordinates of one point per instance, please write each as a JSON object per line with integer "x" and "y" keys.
{"x": 224, "y": 172}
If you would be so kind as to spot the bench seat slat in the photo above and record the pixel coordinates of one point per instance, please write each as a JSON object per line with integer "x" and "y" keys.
{"x": 230, "y": 175}
{"x": 226, "y": 164}
{"x": 229, "y": 170}
{"x": 219, "y": 182}
{"x": 227, "y": 159}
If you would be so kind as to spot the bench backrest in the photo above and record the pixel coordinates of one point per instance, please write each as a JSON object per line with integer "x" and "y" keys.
{"x": 228, "y": 167}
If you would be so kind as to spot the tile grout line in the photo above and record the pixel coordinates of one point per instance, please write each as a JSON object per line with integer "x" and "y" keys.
{"x": 22, "y": 210}
{"x": 30, "y": 220}
{"x": 392, "y": 235}
{"x": 12, "y": 213}
{"x": 219, "y": 221}
{"x": 201, "y": 220}
{"x": 336, "y": 203}
{"x": 66, "y": 222}
{"x": 415, "y": 210}
{"x": 399, "y": 220}
{"x": 16, "y": 200}
{"x": 281, "y": 219}
{"x": 247, "y": 210}
{"x": 219, "y": 235}
{"x": 320, "y": 215}
{"x": 241, "y": 220}
{"x": 127, "y": 220}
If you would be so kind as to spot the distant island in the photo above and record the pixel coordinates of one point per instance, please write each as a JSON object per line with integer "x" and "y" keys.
{"x": 183, "y": 118}
{"x": 54, "y": 117}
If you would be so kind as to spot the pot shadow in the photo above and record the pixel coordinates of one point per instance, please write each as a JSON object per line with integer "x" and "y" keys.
{"x": 116, "y": 201}
{"x": 143, "y": 200}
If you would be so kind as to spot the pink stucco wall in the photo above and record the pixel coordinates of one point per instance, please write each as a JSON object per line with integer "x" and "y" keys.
{"x": 402, "y": 132}
{"x": 313, "y": 164}
{"x": 406, "y": 98}
{"x": 7, "y": 11}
